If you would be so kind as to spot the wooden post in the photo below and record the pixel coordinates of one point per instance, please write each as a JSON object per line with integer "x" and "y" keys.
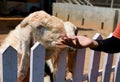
{"x": 60, "y": 76}
{"x": 107, "y": 66}
{"x": 8, "y": 65}
{"x": 117, "y": 69}
{"x": 37, "y": 63}
{"x": 112, "y": 3}
{"x": 94, "y": 63}
{"x": 79, "y": 66}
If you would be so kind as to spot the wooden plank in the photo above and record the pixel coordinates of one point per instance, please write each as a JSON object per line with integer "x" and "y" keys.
{"x": 85, "y": 77}
{"x": 94, "y": 66}
{"x": 60, "y": 76}
{"x": 117, "y": 69}
{"x": 107, "y": 67}
{"x": 94, "y": 62}
{"x": 10, "y": 18}
{"x": 8, "y": 65}
{"x": 37, "y": 63}
{"x": 79, "y": 66}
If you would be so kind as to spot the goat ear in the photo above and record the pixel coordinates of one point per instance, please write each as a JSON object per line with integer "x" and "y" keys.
{"x": 24, "y": 22}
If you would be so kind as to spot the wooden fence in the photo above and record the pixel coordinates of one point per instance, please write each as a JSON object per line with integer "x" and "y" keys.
{"x": 8, "y": 65}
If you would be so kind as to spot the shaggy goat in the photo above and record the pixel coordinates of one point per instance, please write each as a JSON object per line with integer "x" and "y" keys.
{"x": 37, "y": 27}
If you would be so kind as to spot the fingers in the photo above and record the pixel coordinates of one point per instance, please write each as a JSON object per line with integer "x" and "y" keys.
{"x": 69, "y": 41}
{"x": 60, "y": 45}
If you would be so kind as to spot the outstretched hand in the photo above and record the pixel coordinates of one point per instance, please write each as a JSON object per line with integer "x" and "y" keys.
{"x": 76, "y": 41}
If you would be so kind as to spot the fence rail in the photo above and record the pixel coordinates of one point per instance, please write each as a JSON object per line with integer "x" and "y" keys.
{"x": 8, "y": 65}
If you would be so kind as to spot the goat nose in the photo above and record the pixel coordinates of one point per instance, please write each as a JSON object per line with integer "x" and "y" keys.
{"x": 76, "y": 31}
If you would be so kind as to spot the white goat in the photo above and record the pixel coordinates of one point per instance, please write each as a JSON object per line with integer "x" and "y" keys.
{"x": 37, "y": 27}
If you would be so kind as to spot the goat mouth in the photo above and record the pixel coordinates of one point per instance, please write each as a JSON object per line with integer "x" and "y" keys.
{"x": 53, "y": 44}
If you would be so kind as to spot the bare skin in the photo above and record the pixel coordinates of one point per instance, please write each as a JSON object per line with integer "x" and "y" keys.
{"x": 77, "y": 42}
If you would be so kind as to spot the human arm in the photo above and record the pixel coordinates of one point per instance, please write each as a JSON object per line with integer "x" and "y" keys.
{"x": 109, "y": 45}
{"x": 112, "y": 44}
{"x": 79, "y": 42}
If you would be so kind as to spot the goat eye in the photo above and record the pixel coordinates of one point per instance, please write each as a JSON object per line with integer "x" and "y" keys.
{"x": 40, "y": 27}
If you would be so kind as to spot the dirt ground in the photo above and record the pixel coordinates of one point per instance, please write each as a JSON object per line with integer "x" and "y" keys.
{"x": 88, "y": 32}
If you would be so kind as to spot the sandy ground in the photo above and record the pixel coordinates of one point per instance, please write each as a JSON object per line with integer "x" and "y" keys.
{"x": 88, "y": 32}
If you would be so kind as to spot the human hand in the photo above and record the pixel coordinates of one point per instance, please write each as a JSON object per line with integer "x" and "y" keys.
{"x": 77, "y": 41}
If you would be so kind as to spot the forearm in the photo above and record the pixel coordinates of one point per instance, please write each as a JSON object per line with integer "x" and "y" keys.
{"x": 110, "y": 45}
